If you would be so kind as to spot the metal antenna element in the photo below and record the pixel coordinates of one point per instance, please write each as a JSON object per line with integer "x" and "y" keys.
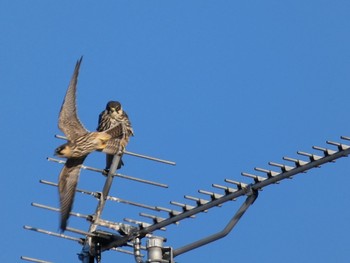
{"x": 50, "y": 233}
{"x": 111, "y": 198}
{"x": 131, "y": 234}
{"x": 35, "y": 260}
{"x": 113, "y": 174}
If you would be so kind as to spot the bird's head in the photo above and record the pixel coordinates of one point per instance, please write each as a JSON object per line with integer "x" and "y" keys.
{"x": 114, "y": 108}
{"x": 63, "y": 151}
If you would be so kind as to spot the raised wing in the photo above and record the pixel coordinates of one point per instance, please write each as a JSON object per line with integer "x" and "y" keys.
{"x": 67, "y": 184}
{"x": 68, "y": 120}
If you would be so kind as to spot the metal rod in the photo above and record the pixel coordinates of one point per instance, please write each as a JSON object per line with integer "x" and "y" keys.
{"x": 212, "y": 194}
{"x": 184, "y": 207}
{"x": 171, "y": 212}
{"x": 58, "y": 210}
{"x": 80, "y": 232}
{"x": 225, "y": 188}
{"x": 296, "y": 161}
{"x": 149, "y": 158}
{"x": 60, "y": 137}
{"x": 87, "y": 251}
{"x": 122, "y": 251}
{"x": 79, "y": 240}
{"x": 156, "y": 219}
{"x": 239, "y": 185}
{"x": 199, "y": 201}
{"x": 111, "y": 198}
{"x": 312, "y": 157}
{"x": 268, "y": 172}
{"x": 114, "y": 174}
{"x": 255, "y": 177}
{"x": 35, "y": 260}
{"x": 283, "y": 167}
{"x": 339, "y": 145}
{"x": 94, "y": 194}
{"x": 324, "y": 150}
{"x": 234, "y": 220}
{"x": 137, "y": 222}
{"x": 119, "y": 200}
{"x": 140, "y": 180}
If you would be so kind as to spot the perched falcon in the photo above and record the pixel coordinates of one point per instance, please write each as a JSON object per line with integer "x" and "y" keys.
{"x": 80, "y": 143}
{"x": 112, "y": 116}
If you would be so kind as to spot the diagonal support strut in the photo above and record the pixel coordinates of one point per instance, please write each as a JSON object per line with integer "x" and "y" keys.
{"x": 231, "y": 224}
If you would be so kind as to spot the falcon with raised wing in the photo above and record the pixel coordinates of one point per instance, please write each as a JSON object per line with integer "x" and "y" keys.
{"x": 112, "y": 116}
{"x": 80, "y": 143}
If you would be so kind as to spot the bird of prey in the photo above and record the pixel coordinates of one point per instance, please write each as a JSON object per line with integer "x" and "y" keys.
{"x": 80, "y": 143}
{"x": 112, "y": 116}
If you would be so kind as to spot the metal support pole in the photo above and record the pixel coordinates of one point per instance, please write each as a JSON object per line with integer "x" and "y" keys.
{"x": 249, "y": 201}
{"x": 87, "y": 252}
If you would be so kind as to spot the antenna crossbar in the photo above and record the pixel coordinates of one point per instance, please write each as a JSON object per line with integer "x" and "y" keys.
{"x": 50, "y": 233}
{"x": 111, "y": 198}
{"x": 123, "y": 176}
{"x": 34, "y": 260}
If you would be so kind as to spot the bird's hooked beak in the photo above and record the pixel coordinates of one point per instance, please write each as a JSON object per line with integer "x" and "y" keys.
{"x": 119, "y": 110}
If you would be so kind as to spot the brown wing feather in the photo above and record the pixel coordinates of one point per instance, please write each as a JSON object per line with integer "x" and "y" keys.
{"x": 116, "y": 131}
{"x": 67, "y": 185}
{"x": 112, "y": 147}
{"x": 68, "y": 121}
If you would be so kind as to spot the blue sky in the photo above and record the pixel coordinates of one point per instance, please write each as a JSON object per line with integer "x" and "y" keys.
{"x": 220, "y": 87}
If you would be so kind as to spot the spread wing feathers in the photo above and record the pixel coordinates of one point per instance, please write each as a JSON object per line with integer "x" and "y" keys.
{"x": 116, "y": 134}
{"x": 68, "y": 121}
{"x": 116, "y": 131}
{"x": 67, "y": 185}
{"x": 112, "y": 147}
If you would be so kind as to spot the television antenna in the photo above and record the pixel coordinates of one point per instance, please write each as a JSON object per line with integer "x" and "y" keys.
{"x": 132, "y": 232}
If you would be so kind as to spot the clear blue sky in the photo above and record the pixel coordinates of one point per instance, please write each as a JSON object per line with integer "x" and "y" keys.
{"x": 220, "y": 87}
